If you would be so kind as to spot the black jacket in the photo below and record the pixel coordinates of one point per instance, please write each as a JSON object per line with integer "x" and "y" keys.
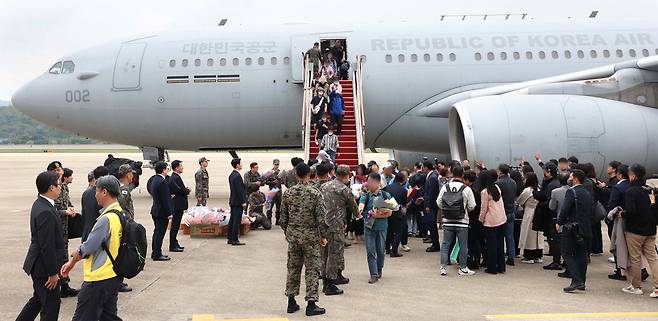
{"x": 180, "y": 192}
{"x": 161, "y": 207}
{"x": 637, "y": 214}
{"x": 577, "y": 211}
{"x": 238, "y": 193}
{"x": 90, "y": 211}
{"x": 431, "y": 190}
{"x": 44, "y": 257}
{"x": 617, "y": 195}
{"x": 399, "y": 193}
{"x": 508, "y": 191}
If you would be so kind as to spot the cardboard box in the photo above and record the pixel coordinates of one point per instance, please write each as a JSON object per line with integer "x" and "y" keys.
{"x": 205, "y": 231}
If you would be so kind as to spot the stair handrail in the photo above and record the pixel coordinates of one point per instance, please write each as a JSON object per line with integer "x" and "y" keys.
{"x": 357, "y": 85}
{"x": 306, "y": 109}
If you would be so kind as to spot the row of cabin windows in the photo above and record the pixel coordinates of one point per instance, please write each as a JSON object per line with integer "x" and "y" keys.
{"x": 528, "y": 55}
{"x": 210, "y": 62}
{"x": 566, "y": 54}
{"x": 426, "y": 57}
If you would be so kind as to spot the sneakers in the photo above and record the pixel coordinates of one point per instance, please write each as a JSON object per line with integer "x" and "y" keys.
{"x": 528, "y": 261}
{"x": 373, "y": 280}
{"x": 540, "y": 260}
{"x": 633, "y": 290}
{"x": 443, "y": 271}
{"x": 466, "y": 272}
{"x": 611, "y": 259}
{"x": 406, "y": 248}
{"x": 654, "y": 294}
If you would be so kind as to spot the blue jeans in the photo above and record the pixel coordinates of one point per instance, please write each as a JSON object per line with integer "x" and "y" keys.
{"x": 375, "y": 242}
{"x": 449, "y": 235}
{"x": 509, "y": 236}
{"x": 332, "y": 155}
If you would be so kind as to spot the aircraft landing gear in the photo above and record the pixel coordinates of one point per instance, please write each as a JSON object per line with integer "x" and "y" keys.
{"x": 155, "y": 154}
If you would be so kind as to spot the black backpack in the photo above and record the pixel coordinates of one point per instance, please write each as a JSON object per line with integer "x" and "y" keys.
{"x": 132, "y": 248}
{"x": 452, "y": 203}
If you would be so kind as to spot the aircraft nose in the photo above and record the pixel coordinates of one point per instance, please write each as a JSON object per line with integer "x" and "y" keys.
{"x": 21, "y": 100}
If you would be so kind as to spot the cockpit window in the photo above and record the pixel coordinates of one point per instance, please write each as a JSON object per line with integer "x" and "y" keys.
{"x": 68, "y": 67}
{"x": 56, "y": 69}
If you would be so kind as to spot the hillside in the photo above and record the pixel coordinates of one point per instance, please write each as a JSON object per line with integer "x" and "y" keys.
{"x": 16, "y": 128}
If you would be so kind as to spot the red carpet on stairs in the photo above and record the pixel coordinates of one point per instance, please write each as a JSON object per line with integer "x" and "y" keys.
{"x": 347, "y": 153}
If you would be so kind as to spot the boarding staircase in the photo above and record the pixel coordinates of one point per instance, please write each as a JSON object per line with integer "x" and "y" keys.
{"x": 351, "y": 140}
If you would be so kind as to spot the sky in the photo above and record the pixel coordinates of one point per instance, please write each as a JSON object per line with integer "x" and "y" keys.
{"x": 34, "y": 34}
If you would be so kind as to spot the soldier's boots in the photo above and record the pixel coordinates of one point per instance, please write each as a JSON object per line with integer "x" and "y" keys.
{"x": 292, "y": 305}
{"x": 330, "y": 288}
{"x": 312, "y": 309}
{"x": 341, "y": 279}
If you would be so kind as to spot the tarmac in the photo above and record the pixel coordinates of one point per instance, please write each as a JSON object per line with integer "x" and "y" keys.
{"x": 214, "y": 281}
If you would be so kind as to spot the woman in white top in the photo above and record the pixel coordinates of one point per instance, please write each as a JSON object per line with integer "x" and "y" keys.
{"x": 531, "y": 242}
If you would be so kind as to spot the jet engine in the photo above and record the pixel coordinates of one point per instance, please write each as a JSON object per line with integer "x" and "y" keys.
{"x": 508, "y": 128}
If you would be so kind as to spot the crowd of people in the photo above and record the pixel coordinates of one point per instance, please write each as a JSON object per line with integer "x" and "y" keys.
{"x": 490, "y": 218}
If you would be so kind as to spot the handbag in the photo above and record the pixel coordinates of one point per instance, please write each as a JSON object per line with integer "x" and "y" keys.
{"x": 75, "y": 226}
{"x": 518, "y": 212}
{"x": 599, "y": 212}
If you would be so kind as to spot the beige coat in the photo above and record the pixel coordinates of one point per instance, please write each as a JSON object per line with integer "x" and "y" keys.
{"x": 529, "y": 239}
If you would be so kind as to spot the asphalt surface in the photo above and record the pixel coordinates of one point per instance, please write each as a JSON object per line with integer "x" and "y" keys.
{"x": 214, "y": 281}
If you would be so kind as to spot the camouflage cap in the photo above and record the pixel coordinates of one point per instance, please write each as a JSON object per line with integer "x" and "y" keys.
{"x": 125, "y": 169}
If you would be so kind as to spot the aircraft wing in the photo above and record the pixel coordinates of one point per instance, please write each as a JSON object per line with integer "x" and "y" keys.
{"x": 608, "y": 81}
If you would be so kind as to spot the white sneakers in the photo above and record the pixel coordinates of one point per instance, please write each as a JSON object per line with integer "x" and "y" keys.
{"x": 539, "y": 261}
{"x": 528, "y": 261}
{"x": 406, "y": 248}
{"x": 633, "y": 290}
{"x": 466, "y": 272}
{"x": 443, "y": 271}
{"x": 611, "y": 259}
{"x": 654, "y": 294}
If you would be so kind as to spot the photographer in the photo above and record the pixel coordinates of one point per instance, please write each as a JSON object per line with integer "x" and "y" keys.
{"x": 640, "y": 230}
{"x": 574, "y": 224}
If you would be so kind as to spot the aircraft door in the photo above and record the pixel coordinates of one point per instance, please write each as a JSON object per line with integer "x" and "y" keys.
{"x": 128, "y": 66}
{"x": 299, "y": 45}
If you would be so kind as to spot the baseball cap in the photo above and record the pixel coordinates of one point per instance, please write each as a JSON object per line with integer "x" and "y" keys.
{"x": 203, "y": 159}
{"x": 125, "y": 169}
{"x": 276, "y": 162}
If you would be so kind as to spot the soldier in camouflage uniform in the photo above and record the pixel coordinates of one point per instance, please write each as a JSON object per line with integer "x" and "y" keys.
{"x": 289, "y": 177}
{"x": 252, "y": 177}
{"x": 323, "y": 173}
{"x": 274, "y": 182}
{"x": 339, "y": 201}
{"x": 255, "y": 203}
{"x": 125, "y": 199}
{"x": 65, "y": 210}
{"x": 201, "y": 179}
{"x": 302, "y": 221}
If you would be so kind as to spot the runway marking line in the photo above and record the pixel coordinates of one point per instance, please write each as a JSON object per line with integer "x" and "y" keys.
{"x": 571, "y": 315}
{"x": 211, "y": 317}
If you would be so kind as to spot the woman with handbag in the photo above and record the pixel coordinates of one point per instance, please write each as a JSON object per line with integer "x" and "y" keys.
{"x": 531, "y": 242}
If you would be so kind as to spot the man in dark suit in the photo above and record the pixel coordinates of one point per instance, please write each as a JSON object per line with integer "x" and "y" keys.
{"x": 161, "y": 209}
{"x": 397, "y": 223}
{"x": 90, "y": 207}
{"x": 430, "y": 194}
{"x": 179, "y": 192}
{"x": 508, "y": 192}
{"x": 43, "y": 260}
{"x": 577, "y": 208}
{"x": 616, "y": 198}
{"x": 237, "y": 202}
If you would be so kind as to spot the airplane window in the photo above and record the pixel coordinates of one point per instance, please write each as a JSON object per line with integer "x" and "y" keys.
{"x": 555, "y": 55}
{"x": 620, "y": 53}
{"x": 400, "y": 58}
{"x": 606, "y": 53}
{"x": 261, "y": 61}
{"x": 426, "y": 57}
{"x": 197, "y": 62}
{"x": 631, "y": 52}
{"x": 388, "y": 58}
{"x": 210, "y": 62}
{"x": 273, "y": 61}
{"x": 542, "y": 55}
{"x": 286, "y": 60}
{"x": 528, "y": 55}
{"x": 68, "y": 67}
{"x": 503, "y": 56}
{"x": 172, "y": 63}
{"x": 592, "y": 53}
{"x": 581, "y": 54}
{"x": 645, "y": 52}
{"x": 56, "y": 69}
{"x": 222, "y": 62}
{"x": 439, "y": 57}
{"x": 478, "y": 56}
{"x": 414, "y": 57}
{"x": 236, "y": 61}
{"x": 452, "y": 56}
{"x": 247, "y": 61}
{"x": 516, "y": 55}
{"x": 184, "y": 63}
{"x": 490, "y": 56}
{"x": 567, "y": 54}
